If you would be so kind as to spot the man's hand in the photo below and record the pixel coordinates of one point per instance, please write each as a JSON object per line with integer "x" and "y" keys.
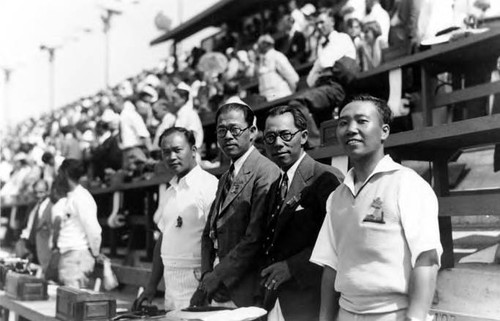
{"x": 275, "y": 275}
{"x": 210, "y": 283}
{"x": 116, "y": 221}
{"x": 147, "y": 295}
{"x": 199, "y": 298}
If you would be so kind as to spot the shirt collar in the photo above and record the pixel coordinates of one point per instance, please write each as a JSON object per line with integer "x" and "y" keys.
{"x": 386, "y": 164}
{"x": 239, "y": 162}
{"x": 189, "y": 180}
{"x": 291, "y": 171}
{"x": 186, "y": 108}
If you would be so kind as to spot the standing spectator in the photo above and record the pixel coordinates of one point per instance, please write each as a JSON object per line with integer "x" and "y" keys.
{"x": 50, "y": 166}
{"x": 181, "y": 106}
{"x": 371, "y": 46}
{"x": 34, "y": 238}
{"x": 107, "y": 154}
{"x": 181, "y": 216}
{"x": 162, "y": 113}
{"x": 70, "y": 146}
{"x": 79, "y": 232}
{"x": 317, "y": 104}
{"x": 292, "y": 43}
{"x": 276, "y": 76}
{"x": 294, "y": 219}
{"x": 379, "y": 244}
{"x": 232, "y": 237}
{"x": 133, "y": 134}
{"x": 375, "y": 12}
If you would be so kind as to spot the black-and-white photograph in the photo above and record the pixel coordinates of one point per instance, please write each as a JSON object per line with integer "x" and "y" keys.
{"x": 238, "y": 160}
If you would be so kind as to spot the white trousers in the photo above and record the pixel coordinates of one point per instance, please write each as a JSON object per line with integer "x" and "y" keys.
{"x": 180, "y": 285}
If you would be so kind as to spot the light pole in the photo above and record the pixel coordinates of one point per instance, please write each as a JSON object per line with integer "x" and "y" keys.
{"x": 7, "y": 73}
{"x": 106, "y": 20}
{"x": 51, "y": 51}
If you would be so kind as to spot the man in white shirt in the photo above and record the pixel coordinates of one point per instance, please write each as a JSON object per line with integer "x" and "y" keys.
{"x": 79, "y": 232}
{"x": 165, "y": 117}
{"x": 134, "y": 135}
{"x": 327, "y": 91}
{"x": 379, "y": 244}
{"x": 275, "y": 73}
{"x": 181, "y": 216}
{"x": 181, "y": 106}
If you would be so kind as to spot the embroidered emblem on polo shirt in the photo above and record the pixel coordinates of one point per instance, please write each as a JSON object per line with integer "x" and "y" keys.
{"x": 377, "y": 214}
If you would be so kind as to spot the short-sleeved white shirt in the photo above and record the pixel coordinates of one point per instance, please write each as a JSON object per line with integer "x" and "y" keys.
{"x": 373, "y": 239}
{"x": 132, "y": 127}
{"x": 181, "y": 216}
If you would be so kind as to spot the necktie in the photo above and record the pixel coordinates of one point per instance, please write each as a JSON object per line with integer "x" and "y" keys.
{"x": 279, "y": 200}
{"x": 283, "y": 190}
{"x": 227, "y": 185}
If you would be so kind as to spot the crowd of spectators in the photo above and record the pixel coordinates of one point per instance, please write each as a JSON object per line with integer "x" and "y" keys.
{"x": 118, "y": 128}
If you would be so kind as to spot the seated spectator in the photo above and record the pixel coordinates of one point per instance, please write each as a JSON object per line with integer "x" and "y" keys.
{"x": 17, "y": 181}
{"x": 328, "y": 91}
{"x": 293, "y": 42}
{"x": 375, "y": 12}
{"x": 353, "y": 29}
{"x": 277, "y": 78}
{"x": 371, "y": 46}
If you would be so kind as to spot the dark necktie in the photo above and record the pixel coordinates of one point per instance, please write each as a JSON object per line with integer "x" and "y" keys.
{"x": 278, "y": 204}
{"x": 34, "y": 225}
{"x": 227, "y": 185}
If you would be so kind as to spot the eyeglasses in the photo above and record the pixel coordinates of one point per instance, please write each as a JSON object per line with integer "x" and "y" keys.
{"x": 235, "y": 131}
{"x": 286, "y": 136}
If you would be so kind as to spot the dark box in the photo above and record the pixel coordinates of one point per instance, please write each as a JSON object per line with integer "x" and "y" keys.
{"x": 328, "y": 132}
{"x": 25, "y": 287}
{"x": 83, "y": 305}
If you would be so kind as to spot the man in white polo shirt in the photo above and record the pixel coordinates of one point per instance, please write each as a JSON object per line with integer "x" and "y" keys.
{"x": 379, "y": 244}
{"x": 181, "y": 217}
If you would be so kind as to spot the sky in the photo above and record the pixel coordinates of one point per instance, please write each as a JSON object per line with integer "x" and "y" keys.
{"x": 75, "y": 27}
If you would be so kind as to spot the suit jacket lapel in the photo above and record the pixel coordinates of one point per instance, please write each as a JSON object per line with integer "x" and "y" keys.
{"x": 239, "y": 183}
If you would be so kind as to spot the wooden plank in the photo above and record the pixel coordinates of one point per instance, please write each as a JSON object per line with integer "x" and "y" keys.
{"x": 470, "y": 204}
{"x": 31, "y": 310}
{"x": 470, "y": 48}
{"x": 466, "y": 133}
{"x": 466, "y": 94}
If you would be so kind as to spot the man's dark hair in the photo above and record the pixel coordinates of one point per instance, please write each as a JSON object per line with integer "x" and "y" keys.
{"x": 299, "y": 119}
{"x": 248, "y": 113}
{"x": 72, "y": 168}
{"x": 47, "y": 157}
{"x": 184, "y": 94}
{"x": 188, "y": 134}
{"x": 383, "y": 109}
{"x": 231, "y": 88}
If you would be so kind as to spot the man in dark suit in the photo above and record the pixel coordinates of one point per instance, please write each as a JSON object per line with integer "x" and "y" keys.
{"x": 292, "y": 43}
{"x": 233, "y": 235}
{"x": 295, "y": 214}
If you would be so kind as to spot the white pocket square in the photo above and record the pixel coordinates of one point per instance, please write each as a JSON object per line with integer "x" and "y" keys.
{"x": 299, "y": 208}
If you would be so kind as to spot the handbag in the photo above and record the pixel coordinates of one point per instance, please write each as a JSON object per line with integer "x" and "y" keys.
{"x": 52, "y": 272}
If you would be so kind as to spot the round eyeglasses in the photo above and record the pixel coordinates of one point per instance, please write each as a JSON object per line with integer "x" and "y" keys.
{"x": 235, "y": 131}
{"x": 286, "y": 136}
